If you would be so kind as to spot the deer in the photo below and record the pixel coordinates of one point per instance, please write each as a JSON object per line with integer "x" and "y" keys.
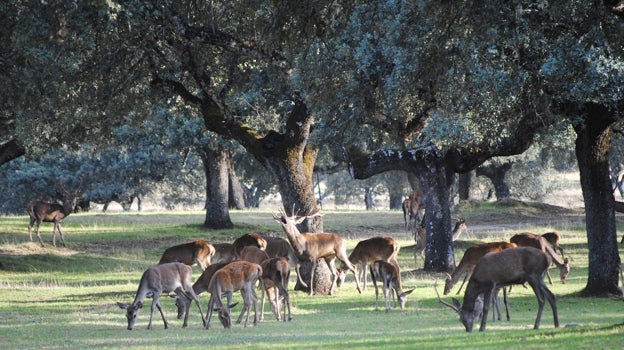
{"x": 198, "y": 252}
{"x": 237, "y": 275}
{"x": 275, "y": 274}
{"x": 469, "y": 261}
{"x": 553, "y": 238}
{"x": 278, "y": 247}
{"x": 157, "y": 280}
{"x": 313, "y": 246}
{"x": 253, "y": 254}
{"x": 224, "y": 252}
{"x": 254, "y": 239}
{"x": 420, "y": 237}
{"x": 496, "y": 270}
{"x": 390, "y": 277}
{"x": 200, "y": 286}
{"x": 40, "y": 211}
{"x": 413, "y": 207}
{"x": 528, "y": 239}
{"x": 369, "y": 250}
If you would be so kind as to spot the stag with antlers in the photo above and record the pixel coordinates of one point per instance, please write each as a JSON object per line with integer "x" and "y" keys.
{"x": 497, "y": 270}
{"x": 313, "y": 246}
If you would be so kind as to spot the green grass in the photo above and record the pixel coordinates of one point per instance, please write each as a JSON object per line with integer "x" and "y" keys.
{"x": 57, "y": 298}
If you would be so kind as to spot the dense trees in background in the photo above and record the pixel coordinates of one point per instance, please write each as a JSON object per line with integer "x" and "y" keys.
{"x": 428, "y": 87}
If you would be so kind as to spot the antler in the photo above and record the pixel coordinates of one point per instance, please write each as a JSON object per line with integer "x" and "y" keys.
{"x": 435, "y": 287}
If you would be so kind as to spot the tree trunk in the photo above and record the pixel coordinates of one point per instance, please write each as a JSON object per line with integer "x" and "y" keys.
{"x": 592, "y": 147}
{"x": 496, "y": 173}
{"x": 236, "y": 197}
{"x": 465, "y": 183}
{"x": 368, "y": 198}
{"x": 216, "y": 163}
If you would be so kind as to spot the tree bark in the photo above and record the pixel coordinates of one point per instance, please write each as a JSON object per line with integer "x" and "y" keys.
{"x": 465, "y": 183}
{"x": 217, "y": 176}
{"x": 236, "y": 197}
{"x": 592, "y": 147}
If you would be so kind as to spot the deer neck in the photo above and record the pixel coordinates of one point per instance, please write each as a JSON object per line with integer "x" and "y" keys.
{"x": 553, "y": 255}
{"x": 295, "y": 237}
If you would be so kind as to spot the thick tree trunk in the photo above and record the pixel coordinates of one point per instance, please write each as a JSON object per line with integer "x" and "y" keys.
{"x": 592, "y": 147}
{"x": 216, "y": 163}
{"x": 10, "y": 150}
{"x": 496, "y": 173}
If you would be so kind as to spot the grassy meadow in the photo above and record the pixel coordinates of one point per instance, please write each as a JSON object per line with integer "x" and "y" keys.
{"x": 65, "y": 298}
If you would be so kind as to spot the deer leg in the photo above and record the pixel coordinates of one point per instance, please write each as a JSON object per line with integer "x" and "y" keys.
{"x": 286, "y": 304}
{"x": 548, "y": 275}
{"x": 32, "y": 221}
{"x": 58, "y": 226}
{"x": 385, "y": 295}
{"x": 487, "y": 300}
{"x": 263, "y": 290}
{"x": 334, "y": 272}
{"x": 553, "y": 304}
{"x": 312, "y": 277}
{"x": 297, "y": 267}
{"x": 539, "y": 294}
{"x": 506, "y": 303}
{"x": 364, "y": 273}
{"x": 254, "y": 299}
{"x": 462, "y": 284}
{"x": 39, "y": 233}
{"x": 211, "y": 303}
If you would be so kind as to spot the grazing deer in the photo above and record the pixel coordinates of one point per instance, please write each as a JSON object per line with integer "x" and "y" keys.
{"x": 420, "y": 236}
{"x": 313, "y": 246}
{"x": 469, "y": 261}
{"x": 275, "y": 274}
{"x": 200, "y": 286}
{"x": 527, "y": 239}
{"x": 159, "y": 279}
{"x": 237, "y": 275}
{"x": 390, "y": 277}
{"x": 496, "y": 270}
{"x": 253, "y": 239}
{"x": 224, "y": 252}
{"x": 553, "y": 238}
{"x": 198, "y": 252}
{"x": 253, "y": 254}
{"x": 369, "y": 250}
{"x": 413, "y": 208}
{"x": 50, "y": 212}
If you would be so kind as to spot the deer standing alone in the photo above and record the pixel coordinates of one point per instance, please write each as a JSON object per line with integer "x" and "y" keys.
{"x": 159, "y": 279}
{"x": 198, "y": 252}
{"x": 275, "y": 274}
{"x": 507, "y": 267}
{"x": 39, "y": 212}
{"x": 237, "y": 275}
{"x": 528, "y": 239}
{"x": 367, "y": 251}
{"x": 390, "y": 277}
{"x": 313, "y": 246}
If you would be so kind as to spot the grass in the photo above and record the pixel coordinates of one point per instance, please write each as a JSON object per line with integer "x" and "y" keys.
{"x": 65, "y": 298}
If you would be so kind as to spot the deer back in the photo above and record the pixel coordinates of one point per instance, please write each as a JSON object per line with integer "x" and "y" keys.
{"x": 376, "y": 248}
{"x": 189, "y": 253}
{"x": 253, "y": 239}
{"x": 528, "y": 239}
{"x": 224, "y": 253}
{"x": 43, "y": 211}
{"x": 253, "y": 254}
{"x": 321, "y": 245}
{"x": 234, "y": 276}
{"x": 278, "y": 247}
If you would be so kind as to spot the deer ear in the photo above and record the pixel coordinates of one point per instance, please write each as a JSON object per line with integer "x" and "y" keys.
{"x": 122, "y": 305}
{"x": 408, "y": 292}
{"x": 139, "y": 305}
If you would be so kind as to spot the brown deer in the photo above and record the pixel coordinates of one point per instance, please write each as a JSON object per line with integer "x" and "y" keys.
{"x": 278, "y": 247}
{"x": 237, "y": 275}
{"x": 313, "y": 246}
{"x": 553, "y": 238}
{"x": 224, "y": 252}
{"x": 420, "y": 236}
{"x": 253, "y": 239}
{"x": 50, "y": 212}
{"x": 157, "y": 280}
{"x": 275, "y": 274}
{"x": 504, "y": 268}
{"x": 528, "y": 239}
{"x": 253, "y": 254}
{"x": 413, "y": 208}
{"x": 198, "y": 252}
{"x": 390, "y": 277}
{"x": 469, "y": 261}
{"x": 367, "y": 251}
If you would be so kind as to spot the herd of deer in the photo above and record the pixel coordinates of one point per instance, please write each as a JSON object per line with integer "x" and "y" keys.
{"x": 254, "y": 259}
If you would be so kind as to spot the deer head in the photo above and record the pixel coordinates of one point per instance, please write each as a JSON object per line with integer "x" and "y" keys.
{"x": 466, "y": 316}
